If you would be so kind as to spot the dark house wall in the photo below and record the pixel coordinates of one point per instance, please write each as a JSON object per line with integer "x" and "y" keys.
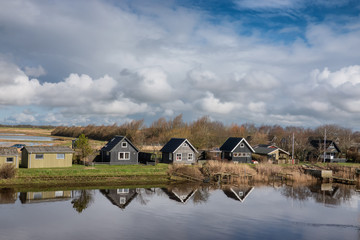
{"x": 112, "y": 156}
{"x": 166, "y": 157}
{"x": 238, "y": 154}
{"x": 184, "y": 151}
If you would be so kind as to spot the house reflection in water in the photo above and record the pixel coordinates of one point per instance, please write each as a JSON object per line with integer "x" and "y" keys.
{"x": 120, "y": 197}
{"x": 326, "y": 193}
{"x": 239, "y": 193}
{"x": 180, "y": 194}
{"x": 7, "y": 196}
{"x": 49, "y": 196}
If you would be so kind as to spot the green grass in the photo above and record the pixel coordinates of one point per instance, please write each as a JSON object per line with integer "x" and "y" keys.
{"x": 97, "y": 170}
{"x": 79, "y": 175}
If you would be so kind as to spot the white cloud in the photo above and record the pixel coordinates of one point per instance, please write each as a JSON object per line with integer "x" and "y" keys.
{"x": 210, "y": 104}
{"x": 346, "y": 75}
{"x": 35, "y": 71}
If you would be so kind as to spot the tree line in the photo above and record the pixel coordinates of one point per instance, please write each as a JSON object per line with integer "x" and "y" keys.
{"x": 205, "y": 133}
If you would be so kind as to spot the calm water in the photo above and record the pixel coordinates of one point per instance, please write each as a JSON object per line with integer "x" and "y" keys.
{"x": 25, "y": 138}
{"x": 183, "y": 212}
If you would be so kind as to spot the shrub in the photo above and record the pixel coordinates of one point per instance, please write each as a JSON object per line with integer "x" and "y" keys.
{"x": 7, "y": 171}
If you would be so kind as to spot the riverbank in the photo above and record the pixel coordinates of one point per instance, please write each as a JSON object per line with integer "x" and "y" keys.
{"x": 162, "y": 174}
{"x": 82, "y": 176}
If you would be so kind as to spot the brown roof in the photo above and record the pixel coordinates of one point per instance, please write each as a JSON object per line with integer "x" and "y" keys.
{"x": 48, "y": 149}
{"x": 8, "y": 151}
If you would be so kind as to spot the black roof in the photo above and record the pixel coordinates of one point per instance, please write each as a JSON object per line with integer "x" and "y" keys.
{"x": 232, "y": 142}
{"x": 316, "y": 143}
{"x": 174, "y": 143}
{"x": 115, "y": 141}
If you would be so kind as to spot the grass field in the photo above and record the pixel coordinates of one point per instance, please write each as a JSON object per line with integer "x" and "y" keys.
{"x": 79, "y": 175}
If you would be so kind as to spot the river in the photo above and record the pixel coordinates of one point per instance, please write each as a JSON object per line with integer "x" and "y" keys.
{"x": 183, "y": 212}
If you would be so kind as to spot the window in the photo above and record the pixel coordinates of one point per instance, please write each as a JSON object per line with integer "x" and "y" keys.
{"x": 241, "y": 194}
{"x": 37, "y": 195}
{"x": 10, "y": 160}
{"x": 236, "y": 154}
{"x": 60, "y": 156}
{"x": 170, "y": 156}
{"x": 122, "y": 190}
{"x": 124, "y": 155}
{"x": 190, "y": 156}
{"x": 39, "y": 156}
{"x": 242, "y": 145}
{"x": 124, "y": 144}
{"x": 122, "y": 200}
{"x": 185, "y": 145}
{"x": 59, "y": 193}
{"x": 178, "y": 157}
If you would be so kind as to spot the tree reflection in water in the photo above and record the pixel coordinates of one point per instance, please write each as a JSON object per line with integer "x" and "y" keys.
{"x": 82, "y": 199}
{"x": 328, "y": 193}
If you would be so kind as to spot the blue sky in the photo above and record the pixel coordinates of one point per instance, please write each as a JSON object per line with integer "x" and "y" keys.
{"x": 286, "y": 62}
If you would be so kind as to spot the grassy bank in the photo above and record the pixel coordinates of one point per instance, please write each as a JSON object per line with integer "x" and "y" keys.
{"x": 258, "y": 173}
{"x": 79, "y": 175}
{"x": 105, "y": 175}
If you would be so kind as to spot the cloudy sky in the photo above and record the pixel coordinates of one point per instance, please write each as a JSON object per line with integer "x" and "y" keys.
{"x": 286, "y": 62}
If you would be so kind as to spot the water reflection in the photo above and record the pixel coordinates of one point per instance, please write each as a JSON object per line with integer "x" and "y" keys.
{"x": 7, "y": 195}
{"x": 82, "y": 199}
{"x": 48, "y": 196}
{"x": 120, "y": 197}
{"x": 326, "y": 193}
{"x": 238, "y": 193}
{"x": 183, "y": 212}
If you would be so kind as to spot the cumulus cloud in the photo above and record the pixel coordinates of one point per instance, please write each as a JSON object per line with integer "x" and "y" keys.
{"x": 109, "y": 62}
{"x": 210, "y": 104}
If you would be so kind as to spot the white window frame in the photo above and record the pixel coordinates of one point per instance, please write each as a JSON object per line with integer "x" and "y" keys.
{"x": 178, "y": 159}
{"x": 122, "y": 200}
{"x": 12, "y": 160}
{"x": 124, "y": 156}
{"x": 122, "y": 190}
{"x": 190, "y": 156}
{"x": 185, "y": 145}
{"x": 242, "y": 145}
{"x": 124, "y": 144}
{"x": 39, "y": 154}
{"x": 63, "y": 156}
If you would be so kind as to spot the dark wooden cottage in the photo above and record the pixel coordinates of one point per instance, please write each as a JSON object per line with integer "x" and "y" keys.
{"x": 332, "y": 151}
{"x": 237, "y": 150}
{"x": 179, "y": 150}
{"x": 119, "y": 151}
{"x": 120, "y": 197}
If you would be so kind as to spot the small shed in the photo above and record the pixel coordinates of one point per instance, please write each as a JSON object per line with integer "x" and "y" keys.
{"x": 179, "y": 150}
{"x": 119, "y": 151}
{"x": 46, "y": 156}
{"x": 9, "y": 155}
{"x": 237, "y": 150}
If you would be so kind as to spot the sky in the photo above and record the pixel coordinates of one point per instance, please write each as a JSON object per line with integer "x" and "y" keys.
{"x": 273, "y": 62}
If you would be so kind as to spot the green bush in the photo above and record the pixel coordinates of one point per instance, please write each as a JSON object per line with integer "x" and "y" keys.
{"x": 7, "y": 171}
